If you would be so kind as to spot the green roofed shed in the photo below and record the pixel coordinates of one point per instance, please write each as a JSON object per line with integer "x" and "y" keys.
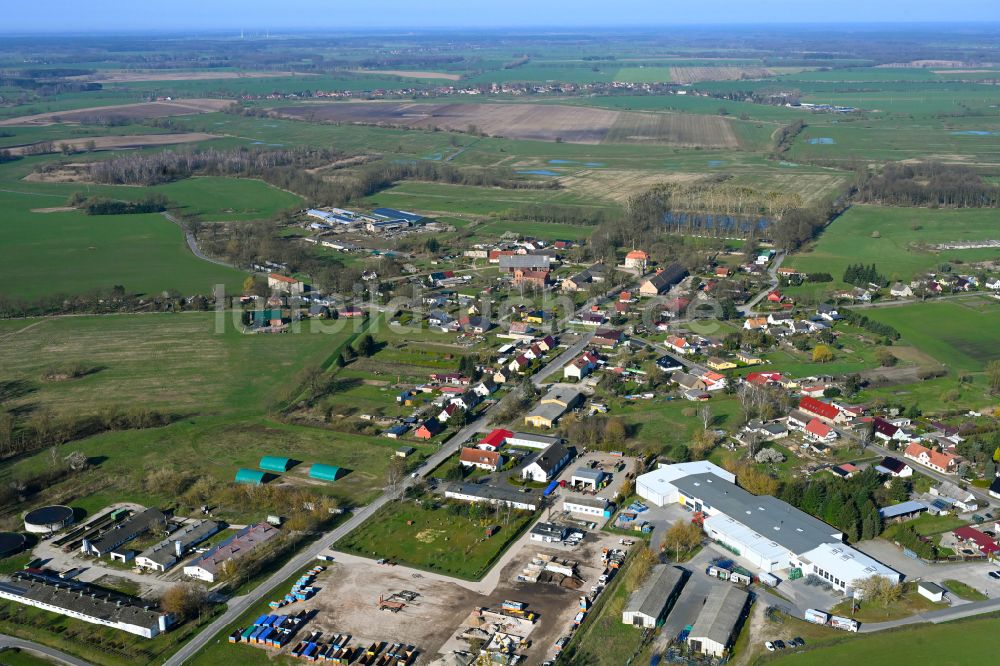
{"x": 275, "y": 463}
{"x": 324, "y": 472}
{"x": 251, "y": 476}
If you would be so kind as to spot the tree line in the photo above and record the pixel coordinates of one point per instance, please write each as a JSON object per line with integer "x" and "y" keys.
{"x": 862, "y": 276}
{"x": 152, "y": 203}
{"x": 927, "y": 184}
{"x": 877, "y": 327}
{"x": 850, "y": 505}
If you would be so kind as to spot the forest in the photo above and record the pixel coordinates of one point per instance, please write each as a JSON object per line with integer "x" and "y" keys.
{"x": 927, "y": 184}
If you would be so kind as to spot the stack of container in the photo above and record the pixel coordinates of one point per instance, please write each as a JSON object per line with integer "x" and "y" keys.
{"x": 269, "y": 630}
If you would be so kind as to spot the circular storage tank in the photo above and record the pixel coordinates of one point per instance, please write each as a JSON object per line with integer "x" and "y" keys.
{"x": 10, "y": 543}
{"x": 48, "y": 519}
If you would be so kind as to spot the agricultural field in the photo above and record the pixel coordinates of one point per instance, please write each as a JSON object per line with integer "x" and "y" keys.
{"x": 47, "y": 250}
{"x": 140, "y": 111}
{"x": 965, "y": 334}
{"x": 902, "y": 249}
{"x": 216, "y": 199}
{"x": 550, "y": 122}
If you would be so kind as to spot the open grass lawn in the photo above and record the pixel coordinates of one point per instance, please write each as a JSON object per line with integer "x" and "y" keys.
{"x": 543, "y": 230}
{"x": 228, "y": 199}
{"x": 936, "y": 395}
{"x": 437, "y": 540}
{"x": 957, "y": 643}
{"x": 911, "y": 603}
{"x": 17, "y": 657}
{"x": 965, "y": 334}
{"x": 218, "y": 386}
{"x": 69, "y": 252}
{"x": 175, "y": 362}
{"x": 963, "y": 590}
{"x": 656, "y": 425}
{"x": 900, "y": 253}
{"x": 927, "y": 524}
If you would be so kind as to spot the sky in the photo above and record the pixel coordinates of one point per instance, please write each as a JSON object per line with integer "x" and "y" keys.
{"x": 107, "y": 16}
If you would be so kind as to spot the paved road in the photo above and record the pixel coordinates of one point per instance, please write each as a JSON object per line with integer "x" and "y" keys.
{"x": 192, "y": 244}
{"x": 556, "y": 364}
{"x": 51, "y": 653}
{"x": 980, "y": 493}
{"x": 772, "y": 272}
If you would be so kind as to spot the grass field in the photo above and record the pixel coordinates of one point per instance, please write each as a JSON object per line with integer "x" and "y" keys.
{"x": 920, "y": 645}
{"x": 901, "y": 251}
{"x": 228, "y": 199}
{"x": 433, "y": 539}
{"x": 965, "y": 335}
{"x": 69, "y": 252}
{"x": 218, "y": 386}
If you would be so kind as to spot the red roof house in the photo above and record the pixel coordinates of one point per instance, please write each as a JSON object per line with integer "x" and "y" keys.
{"x": 495, "y": 439}
{"x": 986, "y": 545}
{"x": 819, "y": 408}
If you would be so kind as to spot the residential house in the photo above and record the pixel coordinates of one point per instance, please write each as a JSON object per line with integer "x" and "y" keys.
{"x": 817, "y": 431}
{"x": 466, "y": 400}
{"x": 942, "y": 462}
{"x": 716, "y": 363}
{"x": 844, "y": 471}
{"x": 475, "y": 324}
{"x": 637, "y": 259}
{"x": 755, "y": 323}
{"x": 687, "y": 381}
{"x": 428, "y": 429}
{"x": 607, "y": 338}
{"x": 828, "y": 312}
{"x": 894, "y": 467}
{"x": 537, "y": 279}
{"x": 485, "y": 388}
{"x": 679, "y": 345}
{"x": 663, "y": 280}
{"x": 548, "y": 463}
{"x": 547, "y": 344}
{"x": 714, "y": 381}
{"x": 887, "y": 431}
{"x": 823, "y": 410}
{"x": 519, "y": 364}
{"x": 448, "y": 411}
{"x": 488, "y": 460}
{"x": 962, "y": 499}
{"x": 970, "y": 535}
{"x": 747, "y": 359}
{"x": 581, "y": 366}
{"x": 284, "y": 284}
{"x": 900, "y": 290}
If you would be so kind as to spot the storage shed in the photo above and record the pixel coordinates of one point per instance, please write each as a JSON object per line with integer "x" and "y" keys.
{"x": 251, "y": 476}
{"x": 275, "y": 464}
{"x": 650, "y": 603}
{"x": 324, "y": 472}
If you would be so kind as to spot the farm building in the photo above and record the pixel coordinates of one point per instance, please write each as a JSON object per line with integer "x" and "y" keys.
{"x": 275, "y": 464}
{"x": 168, "y": 552}
{"x": 493, "y": 494}
{"x": 897, "y": 513}
{"x": 393, "y": 214}
{"x": 150, "y": 520}
{"x": 720, "y": 618}
{"x": 85, "y": 602}
{"x": 663, "y": 280}
{"x": 253, "y": 477}
{"x": 206, "y": 566}
{"x": 48, "y": 519}
{"x": 648, "y": 605}
{"x": 324, "y": 472}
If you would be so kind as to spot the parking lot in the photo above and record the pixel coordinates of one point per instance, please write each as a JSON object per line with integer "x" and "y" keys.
{"x": 615, "y": 467}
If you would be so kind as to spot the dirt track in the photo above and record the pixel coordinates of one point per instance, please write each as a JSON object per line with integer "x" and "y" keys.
{"x": 139, "y": 111}
{"x": 134, "y": 76}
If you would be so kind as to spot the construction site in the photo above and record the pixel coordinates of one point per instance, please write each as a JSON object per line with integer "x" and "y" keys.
{"x": 359, "y": 610}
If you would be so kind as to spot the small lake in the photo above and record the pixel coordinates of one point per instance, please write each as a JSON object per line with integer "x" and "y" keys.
{"x": 538, "y": 172}
{"x": 975, "y": 133}
{"x": 822, "y": 141}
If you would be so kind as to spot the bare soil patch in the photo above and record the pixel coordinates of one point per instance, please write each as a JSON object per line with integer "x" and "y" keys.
{"x": 695, "y": 74}
{"x": 619, "y": 185}
{"x": 541, "y": 122}
{"x": 139, "y": 111}
{"x": 410, "y": 74}
{"x": 54, "y": 209}
{"x": 122, "y": 142}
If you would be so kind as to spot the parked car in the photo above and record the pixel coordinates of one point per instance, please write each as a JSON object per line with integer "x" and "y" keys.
{"x": 798, "y": 641}
{"x": 770, "y": 646}
{"x": 779, "y": 644}
{"x": 994, "y": 575}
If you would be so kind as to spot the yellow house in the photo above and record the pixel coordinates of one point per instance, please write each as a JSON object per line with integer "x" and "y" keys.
{"x": 748, "y": 359}
{"x": 716, "y": 363}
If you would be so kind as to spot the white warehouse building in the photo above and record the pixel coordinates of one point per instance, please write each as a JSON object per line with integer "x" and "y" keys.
{"x": 769, "y": 534}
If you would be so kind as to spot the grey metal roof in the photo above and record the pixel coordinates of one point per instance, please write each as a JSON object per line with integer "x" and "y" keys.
{"x": 792, "y": 529}
{"x": 193, "y": 533}
{"x": 933, "y": 588}
{"x": 582, "y": 500}
{"x": 652, "y": 596}
{"x": 128, "y": 530}
{"x": 902, "y": 509}
{"x": 720, "y": 614}
{"x": 489, "y": 491}
{"x": 84, "y": 599}
{"x": 594, "y": 475}
{"x": 549, "y": 530}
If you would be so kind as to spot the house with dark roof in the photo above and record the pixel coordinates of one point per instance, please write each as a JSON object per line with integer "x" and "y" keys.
{"x": 663, "y": 280}
{"x": 548, "y": 463}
